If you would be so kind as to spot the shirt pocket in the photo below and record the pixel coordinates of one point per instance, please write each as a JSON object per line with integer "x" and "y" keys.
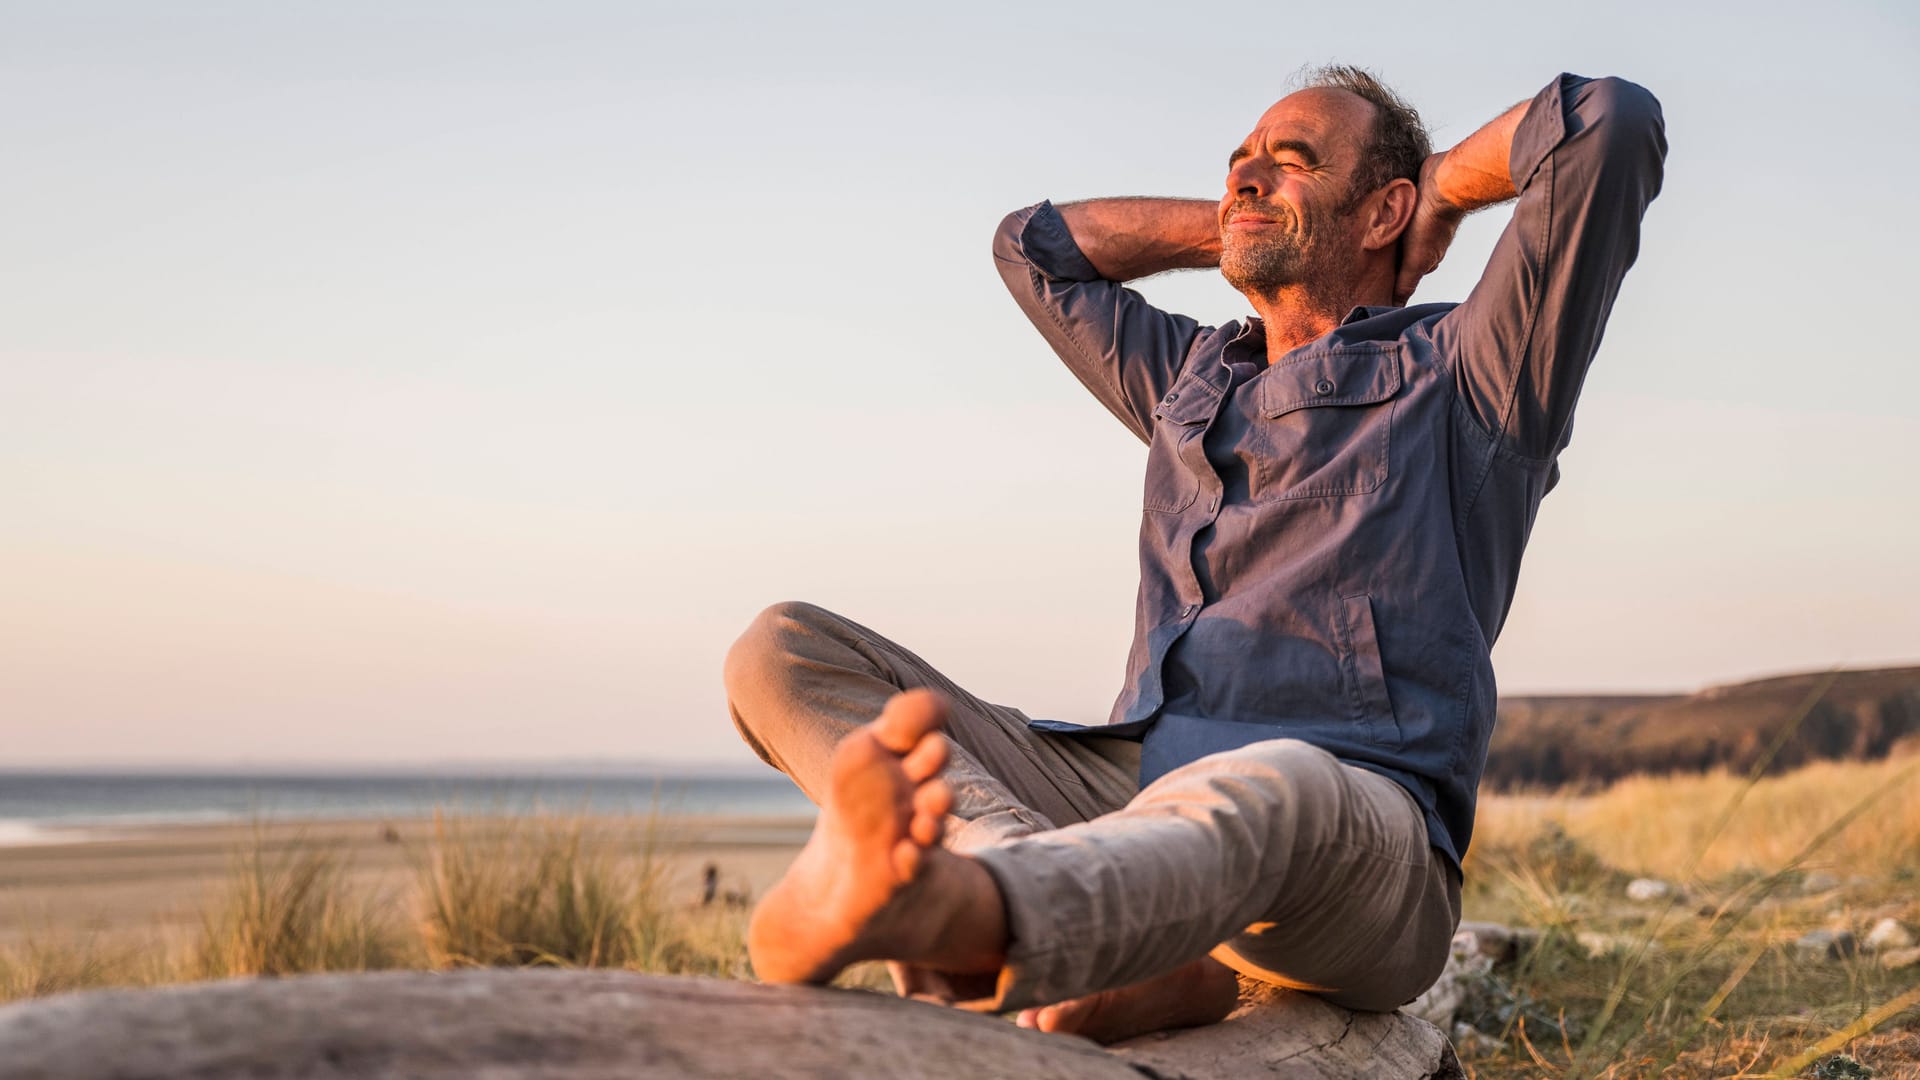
{"x": 1363, "y": 671}
{"x": 1179, "y": 422}
{"x": 1326, "y": 422}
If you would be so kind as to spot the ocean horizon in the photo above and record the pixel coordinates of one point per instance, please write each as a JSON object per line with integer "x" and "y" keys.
{"x": 61, "y": 805}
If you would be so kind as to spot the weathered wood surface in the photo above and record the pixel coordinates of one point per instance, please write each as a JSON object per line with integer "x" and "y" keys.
{"x": 1277, "y": 1032}
{"x": 578, "y": 1025}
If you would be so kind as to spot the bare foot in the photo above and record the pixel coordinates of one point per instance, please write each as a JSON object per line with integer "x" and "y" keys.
{"x": 871, "y": 883}
{"x": 1202, "y": 992}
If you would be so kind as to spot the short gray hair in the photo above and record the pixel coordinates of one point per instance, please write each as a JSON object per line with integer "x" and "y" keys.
{"x": 1398, "y": 144}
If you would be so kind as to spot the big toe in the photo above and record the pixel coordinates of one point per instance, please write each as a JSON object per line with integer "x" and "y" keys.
{"x": 910, "y": 716}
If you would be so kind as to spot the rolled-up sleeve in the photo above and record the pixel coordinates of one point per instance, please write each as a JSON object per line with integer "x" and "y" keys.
{"x": 1587, "y": 160}
{"x": 1122, "y": 348}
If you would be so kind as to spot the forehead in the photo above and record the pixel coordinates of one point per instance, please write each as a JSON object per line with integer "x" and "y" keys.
{"x": 1324, "y": 117}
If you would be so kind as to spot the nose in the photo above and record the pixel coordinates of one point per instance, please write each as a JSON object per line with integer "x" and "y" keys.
{"x": 1247, "y": 180}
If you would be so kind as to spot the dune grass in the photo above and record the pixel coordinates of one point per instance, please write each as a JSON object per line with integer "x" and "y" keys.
{"x": 1706, "y": 982}
{"x": 292, "y": 911}
{"x": 547, "y": 890}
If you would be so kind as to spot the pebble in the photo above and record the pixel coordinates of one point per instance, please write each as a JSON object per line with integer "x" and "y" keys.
{"x": 1819, "y": 881}
{"x": 1825, "y": 945}
{"x": 1895, "y": 959}
{"x": 1473, "y": 1042}
{"x": 1646, "y": 889}
{"x": 1888, "y": 935}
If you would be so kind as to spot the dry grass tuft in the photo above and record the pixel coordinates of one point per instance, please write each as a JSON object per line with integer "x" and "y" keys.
{"x": 292, "y": 911}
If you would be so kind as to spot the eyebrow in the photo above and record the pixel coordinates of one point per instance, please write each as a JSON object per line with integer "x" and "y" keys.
{"x": 1280, "y": 147}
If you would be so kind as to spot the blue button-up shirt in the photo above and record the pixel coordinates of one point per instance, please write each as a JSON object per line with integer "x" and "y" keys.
{"x": 1329, "y": 544}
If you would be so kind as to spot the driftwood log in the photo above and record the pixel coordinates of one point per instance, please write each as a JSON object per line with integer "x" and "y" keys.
{"x": 584, "y": 1025}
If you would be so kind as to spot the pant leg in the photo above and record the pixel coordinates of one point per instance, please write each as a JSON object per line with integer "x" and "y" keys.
{"x": 1315, "y": 874}
{"x": 801, "y": 677}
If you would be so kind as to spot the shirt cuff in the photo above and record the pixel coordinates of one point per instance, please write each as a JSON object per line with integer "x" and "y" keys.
{"x": 1541, "y": 130}
{"x": 1043, "y": 240}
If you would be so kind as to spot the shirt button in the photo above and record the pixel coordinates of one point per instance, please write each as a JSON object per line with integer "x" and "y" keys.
{"x": 1173, "y": 397}
{"x": 1323, "y": 387}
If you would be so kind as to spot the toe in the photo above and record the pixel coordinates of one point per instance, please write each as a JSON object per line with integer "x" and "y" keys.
{"x": 926, "y": 759}
{"x": 908, "y": 717}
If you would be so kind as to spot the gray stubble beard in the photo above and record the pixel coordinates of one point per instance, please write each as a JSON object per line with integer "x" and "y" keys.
{"x": 1265, "y": 265}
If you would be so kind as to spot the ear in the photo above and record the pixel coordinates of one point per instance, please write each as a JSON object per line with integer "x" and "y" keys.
{"x": 1387, "y": 213}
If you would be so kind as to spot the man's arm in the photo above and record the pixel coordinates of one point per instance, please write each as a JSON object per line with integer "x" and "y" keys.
{"x": 1585, "y": 158}
{"x": 1064, "y": 266}
{"x": 1126, "y": 239}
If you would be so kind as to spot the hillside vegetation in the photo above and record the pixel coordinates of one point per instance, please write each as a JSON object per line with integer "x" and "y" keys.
{"x": 1590, "y": 741}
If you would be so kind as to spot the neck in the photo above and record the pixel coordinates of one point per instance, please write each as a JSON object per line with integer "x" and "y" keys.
{"x": 1297, "y": 314}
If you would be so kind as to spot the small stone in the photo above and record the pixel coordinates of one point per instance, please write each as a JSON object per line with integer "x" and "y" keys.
{"x": 1888, "y": 935}
{"x": 1472, "y": 1042}
{"x": 1818, "y": 882}
{"x": 1645, "y": 890}
{"x": 1465, "y": 972}
{"x": 1841, "y": 1067}
{"x": 1825, "y": 945}
{"x": 1895, "y": 959}
{"x": 1500, "y": 944}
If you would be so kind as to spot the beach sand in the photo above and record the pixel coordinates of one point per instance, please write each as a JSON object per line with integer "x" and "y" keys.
{"x": 135, "y": 882}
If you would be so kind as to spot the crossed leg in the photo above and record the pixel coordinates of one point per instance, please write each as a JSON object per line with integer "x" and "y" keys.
{"x": 1316, "y": 871}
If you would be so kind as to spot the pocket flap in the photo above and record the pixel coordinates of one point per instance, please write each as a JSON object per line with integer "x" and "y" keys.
{"x": 1191, "y": 401}
{"x": 1353, "y": 375}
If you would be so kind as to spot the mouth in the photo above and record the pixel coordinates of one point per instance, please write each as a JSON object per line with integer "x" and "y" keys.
{"x": 1247, "y": 219}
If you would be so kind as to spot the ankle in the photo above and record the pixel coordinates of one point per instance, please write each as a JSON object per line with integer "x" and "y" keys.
{"x": 969, "y": 924}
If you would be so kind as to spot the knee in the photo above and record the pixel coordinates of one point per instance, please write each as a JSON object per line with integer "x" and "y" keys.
{"x": 759, "y": 670}
{"x": 1311, "y": 772}
{"x": 1295, "y": 775}
{"x": 764, "y": 653}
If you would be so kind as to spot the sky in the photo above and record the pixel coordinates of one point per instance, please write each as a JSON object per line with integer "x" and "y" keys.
{"x": 384, "y": 383}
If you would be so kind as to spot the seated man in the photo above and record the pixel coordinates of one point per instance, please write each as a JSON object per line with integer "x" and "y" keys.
{"x": 1338, "y": 493}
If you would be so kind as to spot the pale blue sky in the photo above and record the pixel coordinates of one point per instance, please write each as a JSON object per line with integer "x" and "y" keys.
{"x": 405, "y": 381}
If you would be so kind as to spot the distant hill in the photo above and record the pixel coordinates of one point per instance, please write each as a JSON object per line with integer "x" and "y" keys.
{"x": 1552, "y": 741}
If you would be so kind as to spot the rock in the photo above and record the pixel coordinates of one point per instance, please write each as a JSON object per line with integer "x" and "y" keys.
{"x": 1824, "y": 945}
{"x": 1473, "y": 1042}
{"x": 1646, "y": 890}
{"x": 1888, "y": 935}
{"x": 1500, "y": 944}
{"x": 1818, "y": 882}
{"x": 598, "y": 1025}
{"x": 1895, "y": 959}
{"x": 1467, "y": 969}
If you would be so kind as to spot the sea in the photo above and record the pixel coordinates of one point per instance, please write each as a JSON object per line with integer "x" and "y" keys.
{"x": 41, "y": 807}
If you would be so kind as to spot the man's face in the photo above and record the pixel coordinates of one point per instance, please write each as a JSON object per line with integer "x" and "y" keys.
{"x": 1284, "y": 219}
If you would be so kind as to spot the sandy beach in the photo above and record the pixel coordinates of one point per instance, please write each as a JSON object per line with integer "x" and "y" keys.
{"x": 140, "y": 880}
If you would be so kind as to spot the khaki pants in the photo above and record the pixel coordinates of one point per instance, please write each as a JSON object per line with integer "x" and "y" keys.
{"x": 1276, "y": 858}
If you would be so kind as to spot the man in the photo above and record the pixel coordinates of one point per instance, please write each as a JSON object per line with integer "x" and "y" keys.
{"x": 1338, "y": 492}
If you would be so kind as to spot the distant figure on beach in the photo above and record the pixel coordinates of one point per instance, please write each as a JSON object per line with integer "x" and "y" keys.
{"x": 1338, "y": 492}
{"x": 710, "y": 884}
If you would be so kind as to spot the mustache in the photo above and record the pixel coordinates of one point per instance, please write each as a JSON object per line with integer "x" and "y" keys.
{"x": 1277, "y": 214}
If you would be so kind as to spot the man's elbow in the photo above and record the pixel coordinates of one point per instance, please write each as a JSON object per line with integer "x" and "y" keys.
{"x": 1006, "y": 237}
{"x": 1627, "y": 118}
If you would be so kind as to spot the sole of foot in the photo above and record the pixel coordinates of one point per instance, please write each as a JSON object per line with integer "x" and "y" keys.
{"x": 1202, "y": 992}
{"x": 861, "y": 888}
